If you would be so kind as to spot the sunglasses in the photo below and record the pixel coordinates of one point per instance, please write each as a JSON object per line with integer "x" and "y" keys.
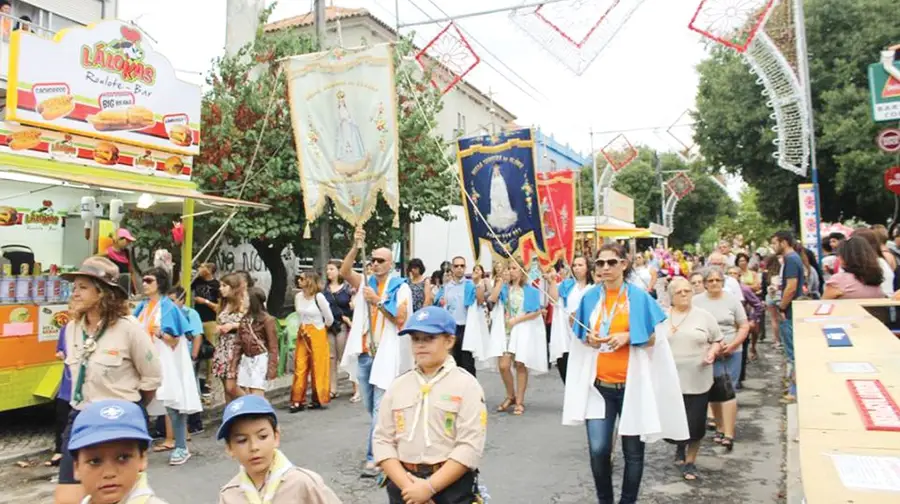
{"x": 378, "y": 260}
{"x": 602, "y": 263}
{"x": 149, "y": 280}
{"x": 459, "y": 265}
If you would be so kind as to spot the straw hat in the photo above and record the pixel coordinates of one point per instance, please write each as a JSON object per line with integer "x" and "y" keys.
{"x": 99, "y": 268}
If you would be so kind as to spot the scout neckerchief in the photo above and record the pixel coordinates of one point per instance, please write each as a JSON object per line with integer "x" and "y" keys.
{"x": 280, "y": 465}
{"x": 140, "y": 494}
{"x": 604, "y": 320}
{"x": 89, "y": 346}
{"x": 149, "y": 317}
{"x": 422, "y": 403}
{"x": 372, "y": 345}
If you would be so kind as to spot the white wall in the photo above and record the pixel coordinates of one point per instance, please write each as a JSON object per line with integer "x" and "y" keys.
{"x": 435, "y": 241}
{"x": 244, "y": 257}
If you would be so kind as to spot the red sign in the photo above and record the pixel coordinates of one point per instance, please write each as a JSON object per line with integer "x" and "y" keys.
{"x": 556, "y": 197}
{"x": 892, "y": 179}
{"x": 876, "y": 407}
{"x": 889, "y": 140}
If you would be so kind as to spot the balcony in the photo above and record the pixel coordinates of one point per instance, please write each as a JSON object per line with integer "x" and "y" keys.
{"x": 9, "y": 23}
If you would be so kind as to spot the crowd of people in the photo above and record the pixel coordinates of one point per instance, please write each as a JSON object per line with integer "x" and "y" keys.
{"x": 413, "y": 346}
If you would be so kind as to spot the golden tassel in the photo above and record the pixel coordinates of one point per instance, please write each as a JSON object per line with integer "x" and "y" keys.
{"x": 396, "y": 222}
{"x": 307, "y": 234}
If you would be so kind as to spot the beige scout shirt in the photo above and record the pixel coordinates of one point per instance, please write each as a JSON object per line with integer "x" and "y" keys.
{"x": 297, "y": 485}
{"x": 455, "y": 418}
{"x": 124, "y": 364}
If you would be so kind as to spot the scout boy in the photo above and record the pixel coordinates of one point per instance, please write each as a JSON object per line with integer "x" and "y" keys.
{"x": 250, "y": 430}
{"x": 431, "y": 426}
{"x": 109, "y": 443}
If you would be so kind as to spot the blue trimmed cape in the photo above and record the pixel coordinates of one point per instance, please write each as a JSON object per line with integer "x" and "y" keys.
{"x": 172, "y": 319}
{"x": 643, "y": 315}
{"x": 390, "y": 299}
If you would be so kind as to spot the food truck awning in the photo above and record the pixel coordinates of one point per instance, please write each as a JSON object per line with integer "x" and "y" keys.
{"x": 165, "y": 187}
{"x": 608, "y": 231}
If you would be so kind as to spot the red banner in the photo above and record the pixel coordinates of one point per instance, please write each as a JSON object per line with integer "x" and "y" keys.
{"x": 556, "y": 197}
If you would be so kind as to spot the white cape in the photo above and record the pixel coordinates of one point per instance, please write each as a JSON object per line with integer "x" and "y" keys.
{"x": 528, "y": 341}
{"x": 179, "y": 383}
{"x": 561, "y": 333}
{"x": 477, "y": 335}
{"x": 496, "y": 343}
{"x": 394, "y": 355}
{"x": 653, "y": 406}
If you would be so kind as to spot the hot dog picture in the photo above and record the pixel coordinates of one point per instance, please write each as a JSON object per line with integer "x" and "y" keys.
{"x": 106, "y": 153}
{"x": 181, "y": 135}
{"x": 132, "y": 118}
{"x": 25, "y": 139}
{"x": 56, "y": 107}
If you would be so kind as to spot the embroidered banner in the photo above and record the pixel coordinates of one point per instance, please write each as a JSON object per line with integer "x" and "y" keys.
{"x": 556, "y": 193}
{"x": 498, "y": 173}
{"x": 344, "y": 115}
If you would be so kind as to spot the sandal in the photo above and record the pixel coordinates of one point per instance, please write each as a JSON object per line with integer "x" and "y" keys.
{"x": 718, "y": 437}
{"x": 727, "y": 443}
{"x": 334, "y": 395}
{"x": 509, "y": 401}
{"x": 680, "y": 455}
{"x": 54, "y": 460}
{"x": 355, "y": 398}
{"x": 297, "y": 407}
{"x": 710, "y": 424}
{"x": 753, "y": 356}
{"x": 519, "y": 410}
{"x": 162, "y": 447}
{"x": 689, "y": 472}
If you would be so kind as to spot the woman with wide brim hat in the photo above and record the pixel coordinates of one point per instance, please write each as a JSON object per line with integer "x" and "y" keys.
{"x": 109, "y": 354}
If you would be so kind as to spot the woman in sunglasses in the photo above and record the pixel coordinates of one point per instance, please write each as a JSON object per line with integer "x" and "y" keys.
{"x": 611, "y": 374}
{"x": 178, "y": 395}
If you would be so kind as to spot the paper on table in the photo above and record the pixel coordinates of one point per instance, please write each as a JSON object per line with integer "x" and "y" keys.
{"x": 852, "y": 367}
{"x": 867, "y": 472}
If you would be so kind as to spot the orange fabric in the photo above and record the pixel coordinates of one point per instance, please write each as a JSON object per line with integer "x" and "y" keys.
{"x": 148, "y": 318}
{"x": 612, "y": 367}
{"x": 313, "y": 358}
{"x": 374, "y": 315}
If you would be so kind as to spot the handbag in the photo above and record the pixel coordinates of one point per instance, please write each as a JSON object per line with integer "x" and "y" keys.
{"x": 722, "y": 389}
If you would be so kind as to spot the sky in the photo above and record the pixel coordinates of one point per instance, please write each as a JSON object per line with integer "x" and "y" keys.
{"x": 645, "y": 78}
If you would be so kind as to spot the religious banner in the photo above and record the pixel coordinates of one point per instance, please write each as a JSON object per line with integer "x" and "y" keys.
{"x": 500, "y": 192}
{"x": 344, "y": 118}
{"x": 556, "y": 193}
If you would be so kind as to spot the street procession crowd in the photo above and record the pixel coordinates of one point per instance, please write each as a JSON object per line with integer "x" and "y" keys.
{"x": 659, "y": 341}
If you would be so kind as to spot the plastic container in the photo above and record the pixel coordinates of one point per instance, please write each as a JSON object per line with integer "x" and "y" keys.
{"x": 23, "y": 289}
{"x": 54, "y": 289}
{"x": 7, "y": 289}
{"x": 39, "y": 289}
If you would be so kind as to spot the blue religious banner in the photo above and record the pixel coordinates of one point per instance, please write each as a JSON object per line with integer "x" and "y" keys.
{"x": 502, "y": 208}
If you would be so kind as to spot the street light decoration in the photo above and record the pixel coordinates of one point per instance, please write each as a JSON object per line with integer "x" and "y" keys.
{"x": 680, "y": 185}
{"x": 449, "y": 57}
{"x": 682, "y": 132}
{"x": 619, "y": 152}
{"x": 732, "y": 23}
{"x": 576, "y": 31}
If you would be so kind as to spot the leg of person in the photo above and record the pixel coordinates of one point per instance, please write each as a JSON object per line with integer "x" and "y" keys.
{"x": 211, "y": 335}
{"x": 521, "y": 386}
{"x": 600, "y": 435}
{"x": 321, "y": 367}
{"x": 695, "y": 408}
{"x": 340, "y": 342}
{"x": 633, "y": 452}
{"x": 547, "y": 331}
{"x": 180, "y": 454}
{"x": 301, "y": 371}
{"x": 68, "y": 489}
{"x": 743, "y": 372}
{"x": 505, "y": 367}
{"x": 365, "y": 369}
{"x": 333, "y": 353}
{"x": 461, "y": 491}
{"x": 61, "y": 418}
{"x": 463, "y": 358}
{"x": 370, "y": 470}
{"x": 562, "y": 365}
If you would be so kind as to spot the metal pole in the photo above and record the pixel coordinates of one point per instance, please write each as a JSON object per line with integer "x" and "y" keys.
{"x": 662, "y": 186}
{"x": 480, "y": 13}
{"x": 320, "y": 22}
{"x": 596, "y": 189}
{"x": 397, "y": 17}
{"x": 803, "y": 74}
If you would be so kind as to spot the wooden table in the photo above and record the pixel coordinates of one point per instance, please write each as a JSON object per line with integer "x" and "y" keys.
{"x": 830, "y": 422}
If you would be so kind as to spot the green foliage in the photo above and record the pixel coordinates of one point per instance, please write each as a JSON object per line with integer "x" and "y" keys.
{"x": 748, "y": 223}
{"x": 734, "y": 129}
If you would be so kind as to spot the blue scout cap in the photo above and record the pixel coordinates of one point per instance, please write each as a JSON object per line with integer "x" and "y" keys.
{"x": 431, "y": 320}
{"x": 243, "y": 406}
{"x": 110, "y": 420}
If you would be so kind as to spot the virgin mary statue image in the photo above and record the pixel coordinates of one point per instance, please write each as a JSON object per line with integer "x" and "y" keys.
{"x": 501, "y": 216}
{"x": 350, "y": 152}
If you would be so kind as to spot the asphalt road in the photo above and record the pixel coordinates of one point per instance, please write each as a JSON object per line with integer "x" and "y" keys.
{"x": 528, "y": 459}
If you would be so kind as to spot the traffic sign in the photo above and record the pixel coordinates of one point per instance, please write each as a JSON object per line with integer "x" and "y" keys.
{"x": 892, "y": 179}
{"x": 884, "y": 88}
{"x": 889, "y": 140}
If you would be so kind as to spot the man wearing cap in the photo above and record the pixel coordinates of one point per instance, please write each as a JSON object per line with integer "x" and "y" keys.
{"x": 109, "y": 442}
{"x": 121, "y": 254}
{"x": 431, "y": 426}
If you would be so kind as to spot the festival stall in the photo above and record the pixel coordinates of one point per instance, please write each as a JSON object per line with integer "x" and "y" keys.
{"x": 96, "y": 122}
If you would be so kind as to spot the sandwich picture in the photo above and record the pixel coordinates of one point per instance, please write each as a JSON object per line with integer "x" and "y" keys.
{"x": 132, "y": 118}
{"x": 181, "y": 135}
{"x": 56, "y": 107}
{"x": 174, "y": 165}
{"x": 8, "y": 216}
{"x": 25, "y": 139}
{"x": 106, "y": 153}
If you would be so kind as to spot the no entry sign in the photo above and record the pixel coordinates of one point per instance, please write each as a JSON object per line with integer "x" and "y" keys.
{"x": 889, "y": 140}
{"x": 892, "y": 180}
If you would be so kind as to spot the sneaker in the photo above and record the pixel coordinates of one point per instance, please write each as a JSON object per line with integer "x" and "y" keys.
{"x": 197, "y": 429}
{"x": 179, "y": 457}
{"x": 370, "y": 470}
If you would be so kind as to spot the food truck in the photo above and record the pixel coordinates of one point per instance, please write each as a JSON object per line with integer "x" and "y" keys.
{"x": 96, "y": 123}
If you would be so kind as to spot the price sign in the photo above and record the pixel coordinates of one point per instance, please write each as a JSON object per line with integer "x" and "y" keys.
{"x": 116, "y": 100}
{"x": 47, "y": 90}
{"x": 876, "y": 406}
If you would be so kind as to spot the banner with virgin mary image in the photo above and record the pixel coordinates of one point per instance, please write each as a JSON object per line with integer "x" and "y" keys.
{"x": 344, "y": 116}
{"x": 497, "y": 173}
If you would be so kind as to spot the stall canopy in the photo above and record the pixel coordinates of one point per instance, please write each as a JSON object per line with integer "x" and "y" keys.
{"x": 610, "y": 231}
{"x": 77, "y": 174}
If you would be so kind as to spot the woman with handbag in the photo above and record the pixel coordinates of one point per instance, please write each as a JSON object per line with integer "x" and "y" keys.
{"x": 339, "y": 296}
{"x": 256, "y": 347}
{"x": 312, "y": 355}
{"x": 732, "y": 319}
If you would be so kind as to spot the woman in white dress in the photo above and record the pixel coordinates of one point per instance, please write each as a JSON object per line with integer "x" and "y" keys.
{"x": 523, "y": 330}
{"x": 568, "y": 296}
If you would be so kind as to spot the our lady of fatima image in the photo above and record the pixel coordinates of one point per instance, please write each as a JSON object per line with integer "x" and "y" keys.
{"x": 350, "y": 151}
{"x": 501, "y": 216}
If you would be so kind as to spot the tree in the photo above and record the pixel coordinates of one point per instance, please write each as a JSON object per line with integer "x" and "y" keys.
{"x": 733, "y": 127}
{"x": 748, "y": 222}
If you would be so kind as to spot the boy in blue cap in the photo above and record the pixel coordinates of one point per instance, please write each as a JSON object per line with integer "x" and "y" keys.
{"x": 109, "y": 443}
{"x": 250, "y": 430}
{"x": 432, "y": 423}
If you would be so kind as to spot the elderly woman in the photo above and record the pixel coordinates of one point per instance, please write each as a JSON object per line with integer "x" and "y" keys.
{"x": 697, "y": 282}
{"x": 732, "y": 319}
{"x": 108, "y": 354}
{"x": 695, "y": 339}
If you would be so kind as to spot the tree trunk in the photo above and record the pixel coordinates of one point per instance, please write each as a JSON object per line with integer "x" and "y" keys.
{"x": 271, "y": 256}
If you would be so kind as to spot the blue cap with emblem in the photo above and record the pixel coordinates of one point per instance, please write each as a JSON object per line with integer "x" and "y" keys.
{"x": 110, "y": 420}
{"x": 430, "y": 320}
{"x": 243, "y": 406}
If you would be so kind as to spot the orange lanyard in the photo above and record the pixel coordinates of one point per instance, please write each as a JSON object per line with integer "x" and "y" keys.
{"x": 148, "y": 317}
{"x": 373, "y": 320}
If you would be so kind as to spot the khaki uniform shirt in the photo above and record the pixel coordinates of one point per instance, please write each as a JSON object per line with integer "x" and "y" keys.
{"x": 297, "y": 485}
{"x": 455, "y": 418}
{"x": 124, "y": 364}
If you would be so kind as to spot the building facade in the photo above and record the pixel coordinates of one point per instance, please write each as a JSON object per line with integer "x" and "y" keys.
{"x": 554, "y": 156}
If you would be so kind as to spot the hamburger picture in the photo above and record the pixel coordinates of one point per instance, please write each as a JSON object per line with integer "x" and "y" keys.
{"x": 181, "y": 135}
{"x": 8, "y": 216}
{"x": 174, "y": 165}
{"x": 106, "y": 153}
{"x": 56, "y": 107}
{"x": 25, "y": 139}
